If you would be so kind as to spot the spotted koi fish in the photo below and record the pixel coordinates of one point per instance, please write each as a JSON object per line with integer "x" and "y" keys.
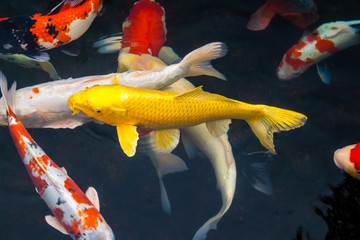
{"x": 348, "y": 159}
{"x": 31, "y": 34}
{"x": 319, "y": 44}
{"x": 75, "y": 213}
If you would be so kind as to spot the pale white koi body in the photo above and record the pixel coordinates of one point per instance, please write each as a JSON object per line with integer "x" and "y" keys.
{"x": 45, "y": 105}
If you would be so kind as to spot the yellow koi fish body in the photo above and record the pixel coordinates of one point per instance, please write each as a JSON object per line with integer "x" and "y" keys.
{"x": 127, "y": 107}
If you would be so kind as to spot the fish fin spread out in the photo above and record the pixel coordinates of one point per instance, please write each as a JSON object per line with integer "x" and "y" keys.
{"x": 52, "y": 221}
{"x": 109, "y": 44}
{"x": 255, "y": 171}
{"x": 65, "y": 4}
{"x": 93, "y": 196}
{"x": 260, "y": 19}
{"x": 64, "y": 170}
{"x": 199, "y": 60}
{"x": 8, "y": 95}
{"x": 218, "y": 128}
{"x": 37, "y": 56}
{"x": 166, "y": 163}
{"x": 190, "y": 149}
{"x": 129, "y": 61}
{"x": 128, "y": 138}
{"x": 273, "y": 120}
{"x": 49, "y": 68}
{"x": 72, "y": 49}
{"x": 71, "y": 124}
{"x": 168, "y": 56}
{"x": 166, "y": 140}
{"x": 324, "y": 72}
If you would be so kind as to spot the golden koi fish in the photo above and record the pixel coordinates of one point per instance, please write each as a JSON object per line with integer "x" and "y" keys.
{"x": 127, "y": 107}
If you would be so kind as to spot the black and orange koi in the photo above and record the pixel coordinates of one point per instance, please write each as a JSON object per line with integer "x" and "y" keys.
{"x": 31, "y": 34}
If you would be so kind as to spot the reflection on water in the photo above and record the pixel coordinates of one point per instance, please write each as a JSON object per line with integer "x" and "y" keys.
{"x": 128, "y": 188}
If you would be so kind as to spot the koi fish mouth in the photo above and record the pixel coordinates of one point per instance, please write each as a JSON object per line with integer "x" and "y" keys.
{"x": 72, "y": 104}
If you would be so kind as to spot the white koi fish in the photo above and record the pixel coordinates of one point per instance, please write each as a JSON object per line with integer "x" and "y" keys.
{"x": 45, "y": 105}
{"x": 321, "y": 43}
{"x": 75, "y": 213}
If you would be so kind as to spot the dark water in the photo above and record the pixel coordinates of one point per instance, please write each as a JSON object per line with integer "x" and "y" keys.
{"x": 128, "y": 188}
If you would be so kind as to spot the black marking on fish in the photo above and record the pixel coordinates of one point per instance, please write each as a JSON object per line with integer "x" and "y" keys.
{"x": 51, "y": 30}
{"x": 59, "y": 201}
{"x": 16, "y": 32}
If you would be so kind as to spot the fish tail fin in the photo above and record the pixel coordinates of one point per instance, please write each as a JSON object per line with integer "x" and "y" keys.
{"x": 260, "y": 19}
{"x": 109, "y": 44}
{"x": 8, "y": 95}
{"x": 199, "y": 60}
{"x": 49, "y": 68}
{"x": 273, "y": 120}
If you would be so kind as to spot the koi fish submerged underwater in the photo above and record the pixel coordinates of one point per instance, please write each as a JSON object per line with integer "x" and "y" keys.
{"x": 214, "y": 181}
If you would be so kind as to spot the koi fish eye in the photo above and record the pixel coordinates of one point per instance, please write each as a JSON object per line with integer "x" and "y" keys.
{"x": 98, "y": 111}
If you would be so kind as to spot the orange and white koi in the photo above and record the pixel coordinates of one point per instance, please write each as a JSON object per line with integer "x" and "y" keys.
{"x": 75, "y": 213}
{"x": 348, "y": 159}
{"x": 45, "y": 105}
{"x": 302, "y": 13}
{"x": 31, "y": 34}
{"x": 321, "y": 43}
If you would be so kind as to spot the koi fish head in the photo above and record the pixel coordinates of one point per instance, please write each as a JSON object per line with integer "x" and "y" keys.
{"x": 342, "y": 33}
{"x": 96, "y": 102}
{"x": 348, "y": 159}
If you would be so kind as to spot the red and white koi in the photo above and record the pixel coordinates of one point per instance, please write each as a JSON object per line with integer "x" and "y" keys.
{"x": 31, "y": 34}
{"x": 348, "y": 159}
{"x": 302, "y": 13}
{"x": 75, "y": 213}
{"x": 319, "y": 44}
{"x": 45, "y": 105}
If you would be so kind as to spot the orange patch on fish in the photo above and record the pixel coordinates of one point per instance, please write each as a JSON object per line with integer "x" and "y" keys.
{"x": 48, "y": 28}
{"x": 76, "y": 192}
{"x": 35, "y": 90}
{"x": 90, "y": 216}
{"x": 324, "y": 45}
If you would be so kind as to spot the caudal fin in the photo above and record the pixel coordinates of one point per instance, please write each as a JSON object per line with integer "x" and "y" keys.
{"x": 274, "y": 120}
{"x": 8, "y": 96}
{"x": 260, "y": 19}
{"x": 199, "y": 60}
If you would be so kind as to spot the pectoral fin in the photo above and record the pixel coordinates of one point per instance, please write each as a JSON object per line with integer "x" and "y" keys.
{"x": 52, "y": 221}
{"x": 93, "y": 196}
{"x": 128, "y": 138}
{"x": 190, "y": 148}
{"x": 218, "y": 128}
{"x": 166, "y": 140}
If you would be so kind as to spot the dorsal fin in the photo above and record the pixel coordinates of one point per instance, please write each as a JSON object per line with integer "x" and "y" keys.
{"x": 65, "y": 4}
{"x": 199, "y": 94}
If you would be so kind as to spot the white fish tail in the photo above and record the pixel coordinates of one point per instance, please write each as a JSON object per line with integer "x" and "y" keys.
{"x": 8, "y": 95}
{"x": 199, "y": 60}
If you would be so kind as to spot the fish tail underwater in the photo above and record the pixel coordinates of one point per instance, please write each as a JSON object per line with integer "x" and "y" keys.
{"x": 208, "y": 186}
